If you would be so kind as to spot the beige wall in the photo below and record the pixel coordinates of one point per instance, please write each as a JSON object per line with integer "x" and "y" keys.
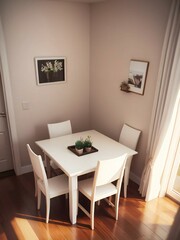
{"x": 120, "y": 31}
{"x": 46, "y": 28}
{"x": 98, "y": 42}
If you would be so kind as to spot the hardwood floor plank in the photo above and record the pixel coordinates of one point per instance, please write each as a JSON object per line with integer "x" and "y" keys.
{"x": 156, "y": 217}
{"x": 132, "y": 214}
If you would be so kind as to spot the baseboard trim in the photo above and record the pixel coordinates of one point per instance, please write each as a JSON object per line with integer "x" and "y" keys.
{"x": 26, "y": 169}
{"x": 134, "y": 178}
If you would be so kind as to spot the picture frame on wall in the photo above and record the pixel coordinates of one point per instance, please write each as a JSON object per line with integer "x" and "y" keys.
{"x": 137, "y": 76}
{"x": 50, "y": 70}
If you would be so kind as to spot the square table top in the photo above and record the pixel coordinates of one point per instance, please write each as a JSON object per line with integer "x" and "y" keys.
{"x": 73, "y": 165}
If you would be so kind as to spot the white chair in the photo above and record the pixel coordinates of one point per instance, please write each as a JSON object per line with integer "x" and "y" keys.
{"x": 52, "y": 187}
{"x": 57, "y": 130}
{"x": 101, "y": 186}
{"x": 129, "y": 137}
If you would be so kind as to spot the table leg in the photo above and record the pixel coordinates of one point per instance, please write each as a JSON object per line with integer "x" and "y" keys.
{"x": 126, "y": 175}
{"x": 73, "y": 191}
{"x": 48, "y": 167}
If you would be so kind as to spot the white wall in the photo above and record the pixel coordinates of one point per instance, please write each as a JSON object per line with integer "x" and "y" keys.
{"x": 120, "y": 31}
{"x": 46, "y": 28}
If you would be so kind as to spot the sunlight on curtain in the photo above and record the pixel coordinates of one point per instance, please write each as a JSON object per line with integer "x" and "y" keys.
{"x": 173, "y": 149}
{"x": 164, "y": 109}
{"x": 163, "y": 158}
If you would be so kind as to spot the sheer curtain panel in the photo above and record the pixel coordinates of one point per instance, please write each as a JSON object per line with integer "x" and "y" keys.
{"x": 164, "y": 111}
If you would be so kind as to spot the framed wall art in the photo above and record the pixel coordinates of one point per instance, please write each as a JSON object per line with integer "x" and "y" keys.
{"x": 50, "y": 70}
{"x": 137, "y": 76}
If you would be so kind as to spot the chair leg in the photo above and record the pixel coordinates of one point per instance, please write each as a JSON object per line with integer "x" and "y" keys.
{"x": 38, "y": 198}
{"x": 110, "y": 200}
{"x": 47, "y": 208}
{"x": 126, "y": 179}
{"x": 92, "y": 214}
{"x": 36, "y": 187}
{"x": 116, "y": 206}
{"x": 125, "y": 188}
{"x": 126, "y": 175}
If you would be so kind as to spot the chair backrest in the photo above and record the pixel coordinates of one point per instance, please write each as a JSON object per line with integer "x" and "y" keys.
{"x": 59, "y": 129}
{"x": 129, "y": 136}
{"x": 109, "y": 170}
{"x": 38, "y": 166}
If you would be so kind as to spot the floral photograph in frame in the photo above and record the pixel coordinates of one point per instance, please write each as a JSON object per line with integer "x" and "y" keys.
{"x": 50, "y": 70}
{"x": 137, "y": 76}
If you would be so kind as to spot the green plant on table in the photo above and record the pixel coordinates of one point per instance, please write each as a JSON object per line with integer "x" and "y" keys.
{"x": 79, "y": 144}
{"x": 88, "y": 142}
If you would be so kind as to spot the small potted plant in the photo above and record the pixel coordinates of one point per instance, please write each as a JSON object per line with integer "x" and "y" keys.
{"x": 124, "y": 86}
{"x": 79, "y": 146}
{"x": 88, "y": 144}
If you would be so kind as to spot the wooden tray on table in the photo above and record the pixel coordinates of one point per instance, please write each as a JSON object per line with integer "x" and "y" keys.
{"x": 72, "y": 149}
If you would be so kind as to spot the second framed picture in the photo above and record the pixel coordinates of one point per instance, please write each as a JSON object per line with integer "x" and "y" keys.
{"x": 137, "y": 76}
{"x": 50, "y": 70}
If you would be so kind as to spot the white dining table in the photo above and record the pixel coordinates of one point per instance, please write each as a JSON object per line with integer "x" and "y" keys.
{"x": 73, "y": 165}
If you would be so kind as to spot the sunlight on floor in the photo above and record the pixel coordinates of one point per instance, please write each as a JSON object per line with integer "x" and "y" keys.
{"x": 157, "y": 205}
{"x": 158, "y": 224}
{"x": 23, "y": 229}
{"x": 29, "y": 227}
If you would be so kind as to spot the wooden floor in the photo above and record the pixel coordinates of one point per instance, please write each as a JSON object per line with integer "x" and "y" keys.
{"x": 19, "y": 218}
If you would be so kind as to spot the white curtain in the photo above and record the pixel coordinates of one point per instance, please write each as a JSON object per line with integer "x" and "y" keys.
{"x": 164, "y": 110}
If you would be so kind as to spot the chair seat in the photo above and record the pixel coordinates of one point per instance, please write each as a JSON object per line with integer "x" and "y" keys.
{"x": 57, "y": 185}
{"x": 86, "y": 186}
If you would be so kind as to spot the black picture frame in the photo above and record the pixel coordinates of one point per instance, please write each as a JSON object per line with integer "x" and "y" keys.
{"x": 50, "y": 70}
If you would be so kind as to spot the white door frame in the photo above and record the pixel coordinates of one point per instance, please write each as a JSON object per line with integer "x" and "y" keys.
{"x": 9, "y": 103}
